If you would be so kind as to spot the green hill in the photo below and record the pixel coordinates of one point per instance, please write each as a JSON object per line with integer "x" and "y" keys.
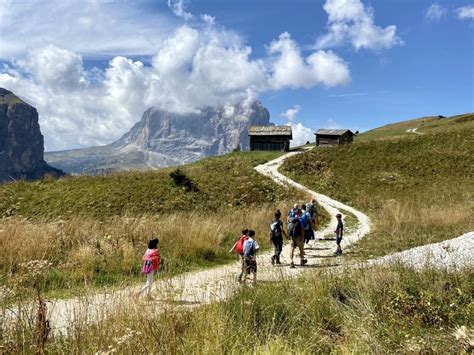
{"x": 94, "y": 230}
{"x": 222, "y": 182}
{"x": 416, "y": 188}
{"x": 423, "y": 125}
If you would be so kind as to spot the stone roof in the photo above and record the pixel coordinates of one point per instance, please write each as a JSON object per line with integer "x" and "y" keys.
{"x": 332, "y": 132}
{"x": 271, "y": 131}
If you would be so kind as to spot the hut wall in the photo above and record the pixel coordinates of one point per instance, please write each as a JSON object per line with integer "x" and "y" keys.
{"x": 326, "y": 141}
{"x": 272, "y": 143}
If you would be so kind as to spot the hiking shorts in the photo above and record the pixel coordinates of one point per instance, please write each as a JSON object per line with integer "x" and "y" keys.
{"x": 250, "y": 265}
{"x": 297, "y": 242}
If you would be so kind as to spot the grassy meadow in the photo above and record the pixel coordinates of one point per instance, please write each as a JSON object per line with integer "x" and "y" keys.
{"x": 417, "y": 189}
{"x": 94, "y": 230}
{"x": 407, "y": 312}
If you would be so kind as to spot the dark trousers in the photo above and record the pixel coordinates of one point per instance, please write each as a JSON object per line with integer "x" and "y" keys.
{"x": 278, "y": 243}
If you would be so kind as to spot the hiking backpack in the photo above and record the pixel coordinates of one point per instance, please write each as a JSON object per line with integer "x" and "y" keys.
{"x": 311, "y": 209}
{"x": 239, "y": 247}
{"x": 293, "y": 227}
{"x": 275, "y": 229}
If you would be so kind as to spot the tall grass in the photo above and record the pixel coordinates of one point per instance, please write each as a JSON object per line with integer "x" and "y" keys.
{"x": 87, "y": 252}
{"x": 376, "y": 310}
{"x": 417, "y": 190}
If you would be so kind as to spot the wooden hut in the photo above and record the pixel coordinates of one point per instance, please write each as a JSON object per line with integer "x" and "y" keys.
{"x": 332, "y": 137}
{"x": 275, "y": 138}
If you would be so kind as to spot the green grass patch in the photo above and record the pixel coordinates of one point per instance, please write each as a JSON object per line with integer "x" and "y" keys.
{"x": 375, "y": 310}
{"x": 417, "y": 189}
{"x": 223, "y": 182}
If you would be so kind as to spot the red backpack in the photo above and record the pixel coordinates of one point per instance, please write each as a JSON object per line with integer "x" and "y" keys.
{"x": 239, "y": 247}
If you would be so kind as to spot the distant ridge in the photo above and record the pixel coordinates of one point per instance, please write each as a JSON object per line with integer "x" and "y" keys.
{"x": 162, "y": 139}
{"x": 21, "y": 141}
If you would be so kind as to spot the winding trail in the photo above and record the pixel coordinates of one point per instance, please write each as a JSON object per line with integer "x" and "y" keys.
{"x": 206, "y": 286}
{"x": 414, "y": 130}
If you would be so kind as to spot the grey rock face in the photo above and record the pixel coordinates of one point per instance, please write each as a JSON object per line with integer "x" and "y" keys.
{"x": 21, "y": 141}
{"x": 162, "y": 139}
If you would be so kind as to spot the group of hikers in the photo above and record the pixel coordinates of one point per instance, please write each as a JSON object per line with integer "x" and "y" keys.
{"x": 302, "y": 221}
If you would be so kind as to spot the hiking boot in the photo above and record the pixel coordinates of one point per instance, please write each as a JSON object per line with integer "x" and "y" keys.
{"x": 292, "y": 266}
{"x": 273, "y": 260}
{"x": 277, "y": 260}
{"x": 303, "y": 262}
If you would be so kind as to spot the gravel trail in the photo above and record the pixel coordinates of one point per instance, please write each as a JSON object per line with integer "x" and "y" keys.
{"x": 212, "y": 285}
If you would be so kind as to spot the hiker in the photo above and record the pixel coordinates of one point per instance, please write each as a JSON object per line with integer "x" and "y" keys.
{"x": 312, "y": 209}
{"x": 296, "y": 234}
{"x": 250, "y": 257}
{"x": 151, "y": 263}
{"x": 306, "y": 224}
{"x": 276, "y": 237}
{"x": 339, "y": 232}
{"x": 292, "y": 213}
{"x": 238, "y": 247}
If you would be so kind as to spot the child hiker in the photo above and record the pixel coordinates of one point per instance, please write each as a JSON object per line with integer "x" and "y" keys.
{"x": 339, "y": 232}
{"x": 238, "y": 247}
{"x": 151, "y": 263}
{"x": 250, "y": 257}
{"x": 276, "y": 237}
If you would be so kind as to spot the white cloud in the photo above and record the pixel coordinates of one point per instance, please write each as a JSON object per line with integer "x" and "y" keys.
{"x": 190, "y": 68}
{"x": 210, "y": 20}
{"x": 351, "y": 21}
{"x": 301, "y": 134}
{"x": 290, "y": 69}
{"x": 435, "y": 12}
{"x": 90, "y": 28}
{"x": 291, "y": 113}
{"x": 465, "y": 12}
{"x": 55, "y": 67}
{"x": 179, "y": 9}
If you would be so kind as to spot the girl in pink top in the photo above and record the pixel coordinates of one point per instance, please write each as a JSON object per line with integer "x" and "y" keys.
{"x": 151, "y": 263}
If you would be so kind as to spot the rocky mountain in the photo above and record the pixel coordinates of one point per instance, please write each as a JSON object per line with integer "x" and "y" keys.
{"x": 163, "y": 139}
{"x": 21, "y": 141}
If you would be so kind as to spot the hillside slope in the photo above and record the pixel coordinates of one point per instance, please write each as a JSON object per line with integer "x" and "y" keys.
{"x": 417, "y": 189}
{"x": 423, "y": 125}
{"x": 223, "y": 182}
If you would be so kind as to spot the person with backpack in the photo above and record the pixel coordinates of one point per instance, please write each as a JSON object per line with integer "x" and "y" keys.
{"x": 151, "y": 264}
{"x": 306, "y": 224}
{"x": 339, "y": 232}
{"x": 250, "y": 257}
{"x": 312, "y": 209}
{"x": 296, "y": 235}
{"x": 276, "y": 237}
{"x": 292, "y": 213}
{"x": 238, "y": 247}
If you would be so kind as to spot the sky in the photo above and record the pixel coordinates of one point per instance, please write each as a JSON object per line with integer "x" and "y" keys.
{"x": 92, "y": 67}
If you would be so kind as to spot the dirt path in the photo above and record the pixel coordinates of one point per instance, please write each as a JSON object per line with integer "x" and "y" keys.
{"x": 414, "y": 130}
{"x": 206, "y": 286}
{"x": 212, "y": 285}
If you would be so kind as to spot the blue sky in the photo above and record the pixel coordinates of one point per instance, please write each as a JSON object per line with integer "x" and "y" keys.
{"x": 336, "y": 63}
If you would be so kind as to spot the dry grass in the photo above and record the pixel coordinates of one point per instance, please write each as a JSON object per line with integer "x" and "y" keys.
{"x": 417, "y": 190}
{"x": 407, "y": 312}
{"x": 88, "y": 252}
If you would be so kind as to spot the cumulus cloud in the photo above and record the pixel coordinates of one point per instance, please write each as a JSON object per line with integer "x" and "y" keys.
{"x": 291, "y": 113}
{"x": 179, "y": 9}
{"x": 290, "y": 69}
{"x": 301, "y": 134}
{"x": 351, "y": 21}
{"x": 435, "y": 12}
{"x": 210, "y": 20}
{"x": 96, "y": 28}
{"x": 188, "y": 68}
{"x": 465, "y": 12}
